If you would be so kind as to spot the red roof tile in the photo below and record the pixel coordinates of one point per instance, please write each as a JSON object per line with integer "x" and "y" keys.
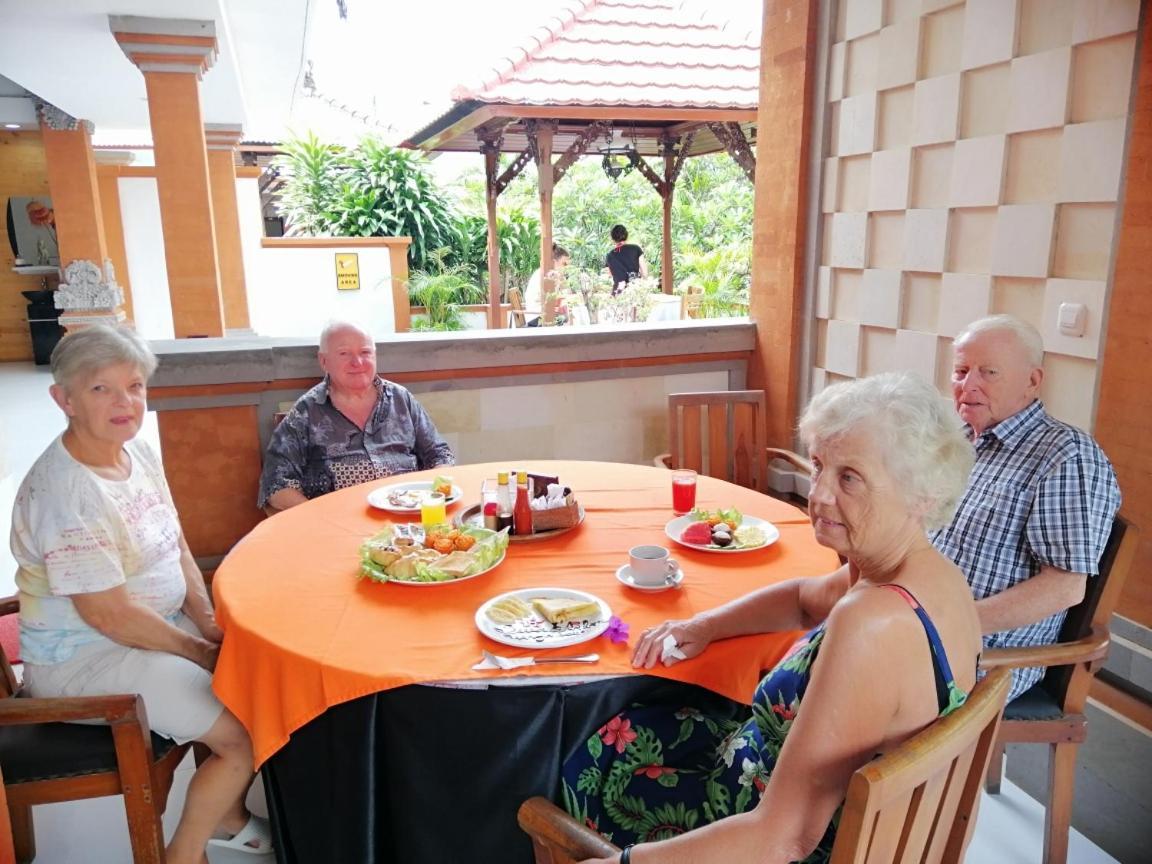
{"x": 628, "y": 52}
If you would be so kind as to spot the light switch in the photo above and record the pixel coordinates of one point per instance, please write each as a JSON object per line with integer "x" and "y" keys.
{"x": 1072, "y": 319}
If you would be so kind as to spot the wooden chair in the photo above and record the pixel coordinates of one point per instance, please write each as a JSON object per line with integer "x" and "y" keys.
{"x": 46, "y": 758}
{"x": 916, "y": 803}
{"x": 720, "y": 434}
{"x": 516, "y": 316}
{"x": 1052, "y": 712}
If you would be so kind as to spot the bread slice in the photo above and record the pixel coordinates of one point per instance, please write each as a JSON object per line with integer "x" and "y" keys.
{"x": 561, "y": 610}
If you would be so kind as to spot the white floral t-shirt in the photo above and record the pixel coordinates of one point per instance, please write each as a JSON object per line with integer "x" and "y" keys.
{"x": 74, "y": 532}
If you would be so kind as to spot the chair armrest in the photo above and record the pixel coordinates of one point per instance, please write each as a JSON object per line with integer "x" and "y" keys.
{"x": 9, "y": 605}
{"x": 1094, "y": 646}
{"x": 114, "y": 710}
{"x": 551, "y": 827}
{"x": 664, "y": 460}
{"x": 794, "y": 459}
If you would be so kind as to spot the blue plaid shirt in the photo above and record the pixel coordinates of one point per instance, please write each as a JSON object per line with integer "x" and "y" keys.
{"x": 1042, "y": 493}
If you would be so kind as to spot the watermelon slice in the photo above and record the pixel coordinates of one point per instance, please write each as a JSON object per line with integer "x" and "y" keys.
{"x": 698, "y": 533}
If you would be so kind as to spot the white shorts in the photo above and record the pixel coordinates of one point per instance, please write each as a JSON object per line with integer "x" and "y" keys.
{"x": 177, "y": 693}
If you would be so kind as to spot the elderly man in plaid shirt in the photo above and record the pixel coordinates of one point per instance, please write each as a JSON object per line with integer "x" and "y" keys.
{"x": 1031, "y": 528}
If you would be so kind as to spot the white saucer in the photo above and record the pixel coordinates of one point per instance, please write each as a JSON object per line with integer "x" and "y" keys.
{"x": 624, "y": 574}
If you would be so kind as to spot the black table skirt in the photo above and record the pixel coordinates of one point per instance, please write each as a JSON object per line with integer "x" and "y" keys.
{"x": 431, "y": 775}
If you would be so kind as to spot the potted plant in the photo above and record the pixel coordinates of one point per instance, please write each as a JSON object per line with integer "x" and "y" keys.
{"x": 440, "y": 291}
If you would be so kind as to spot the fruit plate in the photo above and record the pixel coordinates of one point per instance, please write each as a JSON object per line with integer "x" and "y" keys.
{"x": 472, "y": 516}
{"x": 405, "y": 497}
{"x": 533, "y": 631}
{"x": 676, "y": 527}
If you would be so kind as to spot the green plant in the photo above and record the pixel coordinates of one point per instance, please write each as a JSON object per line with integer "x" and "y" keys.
{"x": 519, "y": 237}
{"x": 442, "y": 290}
{"x": 721, "y": 276}
{"x": 309, "y": 196}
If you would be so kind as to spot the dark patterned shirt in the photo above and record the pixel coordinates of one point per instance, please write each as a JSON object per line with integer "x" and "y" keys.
{"x": 1042, "y": 493}
{"x": 317, "y": 450}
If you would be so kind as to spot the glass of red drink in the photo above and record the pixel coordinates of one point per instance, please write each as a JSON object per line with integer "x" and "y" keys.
{"x": 683, "y": 491}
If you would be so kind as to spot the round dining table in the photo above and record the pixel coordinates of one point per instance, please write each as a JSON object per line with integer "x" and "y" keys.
{"x": 365, "y": 712}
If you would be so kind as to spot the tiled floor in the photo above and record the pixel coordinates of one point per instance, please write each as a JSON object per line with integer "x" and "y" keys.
{"x": 93, "y": 832}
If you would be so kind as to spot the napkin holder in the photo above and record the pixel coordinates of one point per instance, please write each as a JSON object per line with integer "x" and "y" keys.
{"x": 557, "y": 517}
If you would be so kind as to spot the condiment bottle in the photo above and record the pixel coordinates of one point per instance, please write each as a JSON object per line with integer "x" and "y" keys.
{"x": 503, "y": 502}
{"x": 522, "y": 512}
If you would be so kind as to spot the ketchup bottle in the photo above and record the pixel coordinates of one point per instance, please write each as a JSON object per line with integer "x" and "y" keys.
{"x": 522, "y": 511}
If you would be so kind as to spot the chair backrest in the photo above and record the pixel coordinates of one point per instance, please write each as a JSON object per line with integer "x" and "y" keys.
{"x": 917, "y": 803}
{"x": 9, "y": 609}
{"x": 515, "y": 299}
{"x": 1100, "y": 597}
{"x": 721, "y": 434}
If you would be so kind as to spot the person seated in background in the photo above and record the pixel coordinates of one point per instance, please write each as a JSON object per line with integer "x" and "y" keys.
{"x": 534, "y": 293}
{"x": 625, "y": 261}
{"x": 894, "y": 646}
{"x": 1033, "y": 523}
{"x": 352, "y": 427}
{"x": 111, "y": 600}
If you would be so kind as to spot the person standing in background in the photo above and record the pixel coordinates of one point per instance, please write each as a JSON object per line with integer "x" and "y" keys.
{"x": 625, "y": 261}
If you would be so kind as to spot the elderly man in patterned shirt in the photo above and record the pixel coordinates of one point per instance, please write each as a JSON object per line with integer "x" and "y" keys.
{"x": 352, "y": 427}
{"x": 1031, "y": 528}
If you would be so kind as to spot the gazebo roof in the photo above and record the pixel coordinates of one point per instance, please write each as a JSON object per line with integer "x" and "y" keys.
{"x": 644, "y": 66}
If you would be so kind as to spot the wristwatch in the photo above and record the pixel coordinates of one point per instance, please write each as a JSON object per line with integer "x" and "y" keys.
{"x": 626, "y": 854}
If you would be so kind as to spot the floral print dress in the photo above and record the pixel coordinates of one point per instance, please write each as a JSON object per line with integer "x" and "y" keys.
{"x": 655, "y": 771}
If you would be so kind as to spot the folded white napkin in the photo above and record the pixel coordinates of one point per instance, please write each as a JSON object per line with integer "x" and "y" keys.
{"x": 554, "y": 498}
{"x": 671, "y": 650}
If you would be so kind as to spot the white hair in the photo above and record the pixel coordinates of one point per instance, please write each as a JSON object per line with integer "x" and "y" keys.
{"x": 1027, "y": 336}
{"x": 333, "y": 327}
{"x": 85, "y": 352}
{"x": 921, "y": 438}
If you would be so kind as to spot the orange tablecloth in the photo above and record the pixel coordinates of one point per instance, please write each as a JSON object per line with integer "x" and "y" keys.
{"x": 303, "y": 633}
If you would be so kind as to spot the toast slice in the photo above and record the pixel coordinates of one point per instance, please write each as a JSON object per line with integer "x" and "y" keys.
{"x": 561, "y": 610}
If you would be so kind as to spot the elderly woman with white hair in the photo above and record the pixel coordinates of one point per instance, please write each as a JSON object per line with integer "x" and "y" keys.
{"x": 111, "y": 600}
{"x": 892, "y": 645}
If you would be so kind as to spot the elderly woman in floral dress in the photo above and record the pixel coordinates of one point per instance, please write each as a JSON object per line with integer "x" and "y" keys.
{"x": 675, "y": 783}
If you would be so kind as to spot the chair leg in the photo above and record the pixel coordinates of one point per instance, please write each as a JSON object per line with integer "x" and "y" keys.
{"x": 23, "y": 838}
{"x": 1058, "y": 814}
{"x": 995, "y": 770}
{"x": 145, "y": 829}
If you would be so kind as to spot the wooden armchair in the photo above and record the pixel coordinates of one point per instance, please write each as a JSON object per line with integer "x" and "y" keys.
{"x": 915, "y": 803}
{"x": 45, "y": 758}
{"x": 732, "y": 422}
{"x": 1052, "y": 712}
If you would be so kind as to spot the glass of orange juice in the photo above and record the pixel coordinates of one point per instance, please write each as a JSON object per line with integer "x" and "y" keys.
{"x": 433, "y": 510}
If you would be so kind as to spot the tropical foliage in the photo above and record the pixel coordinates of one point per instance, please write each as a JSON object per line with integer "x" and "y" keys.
{"x": 441, "y": 290}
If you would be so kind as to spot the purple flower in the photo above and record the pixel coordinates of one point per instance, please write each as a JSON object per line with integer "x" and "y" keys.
{"x": 617, "y": 631}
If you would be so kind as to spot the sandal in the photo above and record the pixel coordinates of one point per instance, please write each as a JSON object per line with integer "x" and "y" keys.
{"x": 255, "y": 838}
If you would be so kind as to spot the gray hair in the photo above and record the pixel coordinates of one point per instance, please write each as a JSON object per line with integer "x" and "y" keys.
{"x": 333, "y": 327}
{"x": 1027, "y": 336}
{"x": 98, "y": 346}
{"x": 921, "y": 438}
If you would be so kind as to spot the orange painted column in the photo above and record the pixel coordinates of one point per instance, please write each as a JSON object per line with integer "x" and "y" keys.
{"x": 221, "y": 141}
{"x": 87, "y": 292}
{"x": 108, "y": 179}
{"x": 75, "y": 192}
{"x": 787, "y": 68}
{"x": 173, "y": 55}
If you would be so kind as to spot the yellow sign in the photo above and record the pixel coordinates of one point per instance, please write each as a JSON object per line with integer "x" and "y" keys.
{"x": 347, "y": 271}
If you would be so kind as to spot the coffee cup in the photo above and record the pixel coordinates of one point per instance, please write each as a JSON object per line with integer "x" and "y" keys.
{"x": 651, "y": 565}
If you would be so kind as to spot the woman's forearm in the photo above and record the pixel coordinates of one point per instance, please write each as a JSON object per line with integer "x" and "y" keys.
{"x": 115, "y": 615}
{"x": 197, "y": 602}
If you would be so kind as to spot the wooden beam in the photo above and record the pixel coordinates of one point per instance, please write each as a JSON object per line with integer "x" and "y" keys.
{"x": 651, "y": 176}
{"x": 541, "y": 137}
{"x": 577, "y": 148}
{"x": 462, "y": 126}
{"x": 732, "y": 137}
{"x": 512, "y": 171}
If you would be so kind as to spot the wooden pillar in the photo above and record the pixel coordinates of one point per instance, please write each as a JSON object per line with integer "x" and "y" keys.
{"x": 108, "y": 164}
{"x": 666, "y": 234}
{"x": 787, "y": 68}
{"x": 544, "y": 135}
{"x": 1124, "y": 410}
{"x": 173, "y": 55}
{"x": 88, "y": 292}
{"x": 221, "y": 141}
{"x": 491, "y": 150}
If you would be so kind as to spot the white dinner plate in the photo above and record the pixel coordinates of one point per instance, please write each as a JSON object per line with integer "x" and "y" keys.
{"x": 416, "y": 584}
{"x": 406, "y": 496}
{"x": 533, "y": 631}
{"x": 676, "y": 527}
